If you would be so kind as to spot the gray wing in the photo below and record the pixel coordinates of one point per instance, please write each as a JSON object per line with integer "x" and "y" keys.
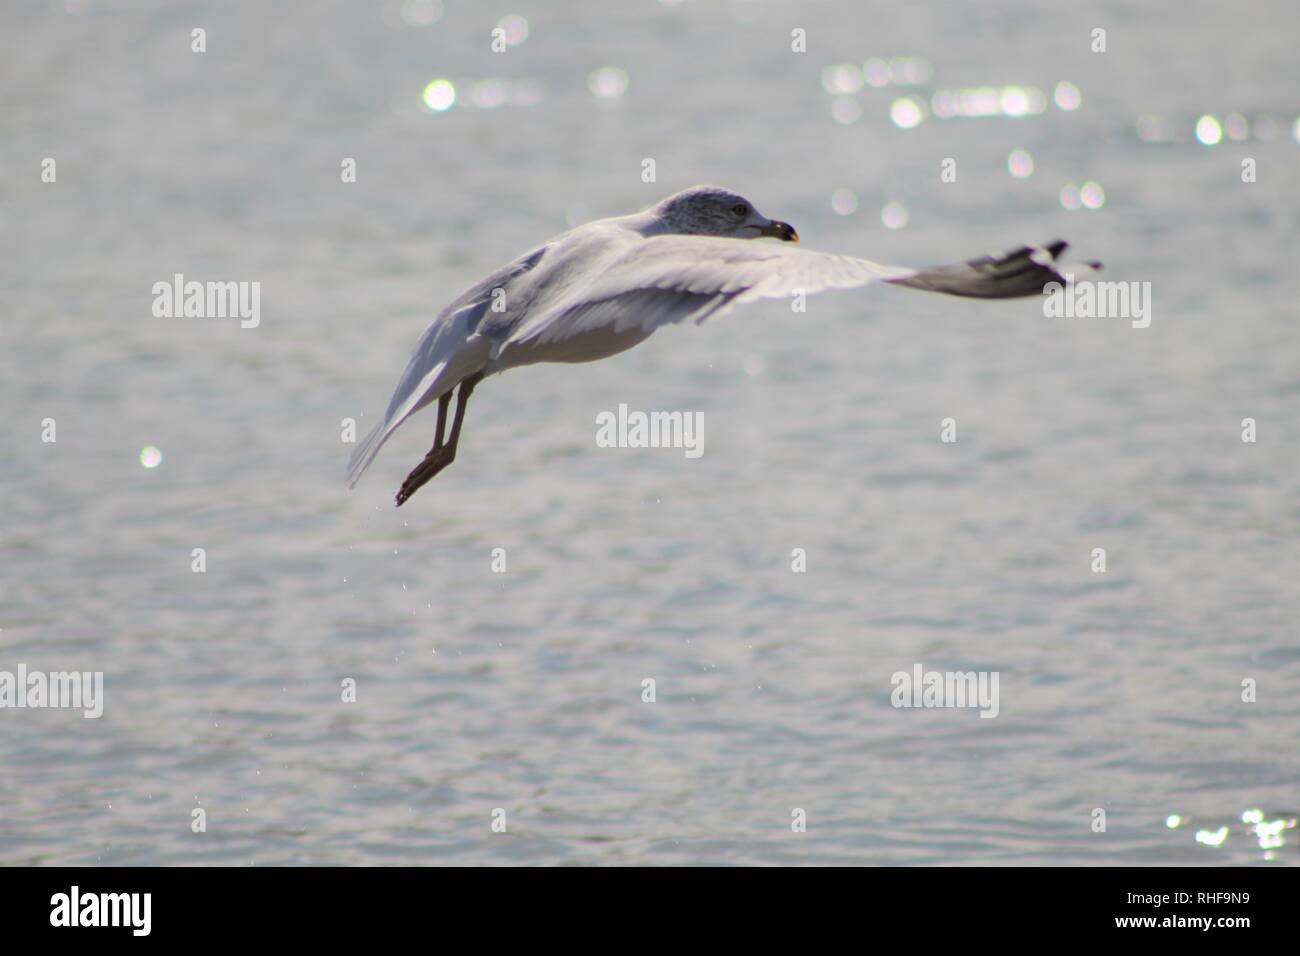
{"x": 668, "y": 279}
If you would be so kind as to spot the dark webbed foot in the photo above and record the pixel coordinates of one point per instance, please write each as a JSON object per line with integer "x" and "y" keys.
{"x": 441, "y": 454}
{"x": 435, "y": 461}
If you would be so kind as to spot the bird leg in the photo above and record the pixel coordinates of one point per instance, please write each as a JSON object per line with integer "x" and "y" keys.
{"x": 443, "y": 401}
{"x": 441, "y": 454}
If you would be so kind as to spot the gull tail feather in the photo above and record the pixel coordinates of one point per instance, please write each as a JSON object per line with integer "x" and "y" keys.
{"x": 1017, "y": 274}
{"x": 365, "y": 452}
{"x": 408, "y": 400}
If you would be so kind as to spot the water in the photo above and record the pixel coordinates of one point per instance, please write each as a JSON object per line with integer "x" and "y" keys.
{"x": 522, "y": 691}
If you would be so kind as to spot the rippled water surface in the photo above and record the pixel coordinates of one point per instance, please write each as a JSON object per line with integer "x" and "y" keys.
{"x": 522, "y": 690}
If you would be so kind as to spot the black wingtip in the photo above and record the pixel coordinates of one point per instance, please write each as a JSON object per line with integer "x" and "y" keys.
{"x": 1017, "y": 274}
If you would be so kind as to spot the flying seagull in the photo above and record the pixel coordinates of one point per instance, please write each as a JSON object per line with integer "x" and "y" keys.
{"x": 605, "y": 286}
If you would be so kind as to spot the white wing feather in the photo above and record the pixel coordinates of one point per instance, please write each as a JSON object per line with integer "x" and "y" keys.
{"x": 666, "y": 279}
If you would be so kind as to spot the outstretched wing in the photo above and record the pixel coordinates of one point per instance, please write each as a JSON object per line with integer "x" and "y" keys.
{"x": 668, "y": 279}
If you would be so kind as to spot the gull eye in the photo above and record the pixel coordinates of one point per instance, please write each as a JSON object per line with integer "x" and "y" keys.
{"x": 740, "y": 209}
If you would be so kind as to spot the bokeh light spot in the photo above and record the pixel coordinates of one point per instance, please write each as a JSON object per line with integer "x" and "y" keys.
{"x": 1067, "y": 96}
{"x": 439, "y": 96}
{"x": 894, "y": 215}
{"x": 1208, "y": 131}
{"x": 842, "y": 78}
{"x": 845, "y": 110}
{"x": 1020, "y": 163}
{"x": 514, "y": 28}
{"x": 905, "y": 112}
{"x": 1212, "y": 838}
{"x": 1153, "y": 129}
{"x": 490, "y": 94}
{"x": 844, "y": 202}
{"x": 421, "y": 13}
{"x": 607, "y": 82}
{"x": 1014, "y": 101}
{"x": 876, "y": 72}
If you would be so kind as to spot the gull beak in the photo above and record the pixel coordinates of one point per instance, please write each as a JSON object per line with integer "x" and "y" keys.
{"x": 779, "y": 230}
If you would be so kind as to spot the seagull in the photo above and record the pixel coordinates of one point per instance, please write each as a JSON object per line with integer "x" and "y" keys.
{"x": 605, "y": 286}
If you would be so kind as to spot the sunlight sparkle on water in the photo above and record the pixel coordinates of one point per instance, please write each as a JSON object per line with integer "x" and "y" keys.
{"x": 842, "y": 78}
{"x": 607, "y": 82}
{"x": 1152, "y": 128}
{"x": 150, "y": 456}
{"x": 979, "y": 101}
{"x": 845, "y": 110}
{"x": 1014, "y": 101}
{"x": 1212, "y": 838}
{"x": 421, "y": 13}
{"x": 876, "y": 73}
{"x": 1067, "y": 96}
{"x": 900, "y": 71}
{"x": 438, "y": 96}
{"x": 490, "y": 93}
{"x": 894, "y": 215}
{"x": 905, "y": 112}
{"x": 1088, "y": 196}
{"x": 514, "y": 28}
{"x": 1020, "y": 163}
{"x": 1208, "y": 131}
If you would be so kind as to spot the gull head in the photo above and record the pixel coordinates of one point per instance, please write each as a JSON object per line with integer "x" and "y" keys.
{"x": 714, "y": 211}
